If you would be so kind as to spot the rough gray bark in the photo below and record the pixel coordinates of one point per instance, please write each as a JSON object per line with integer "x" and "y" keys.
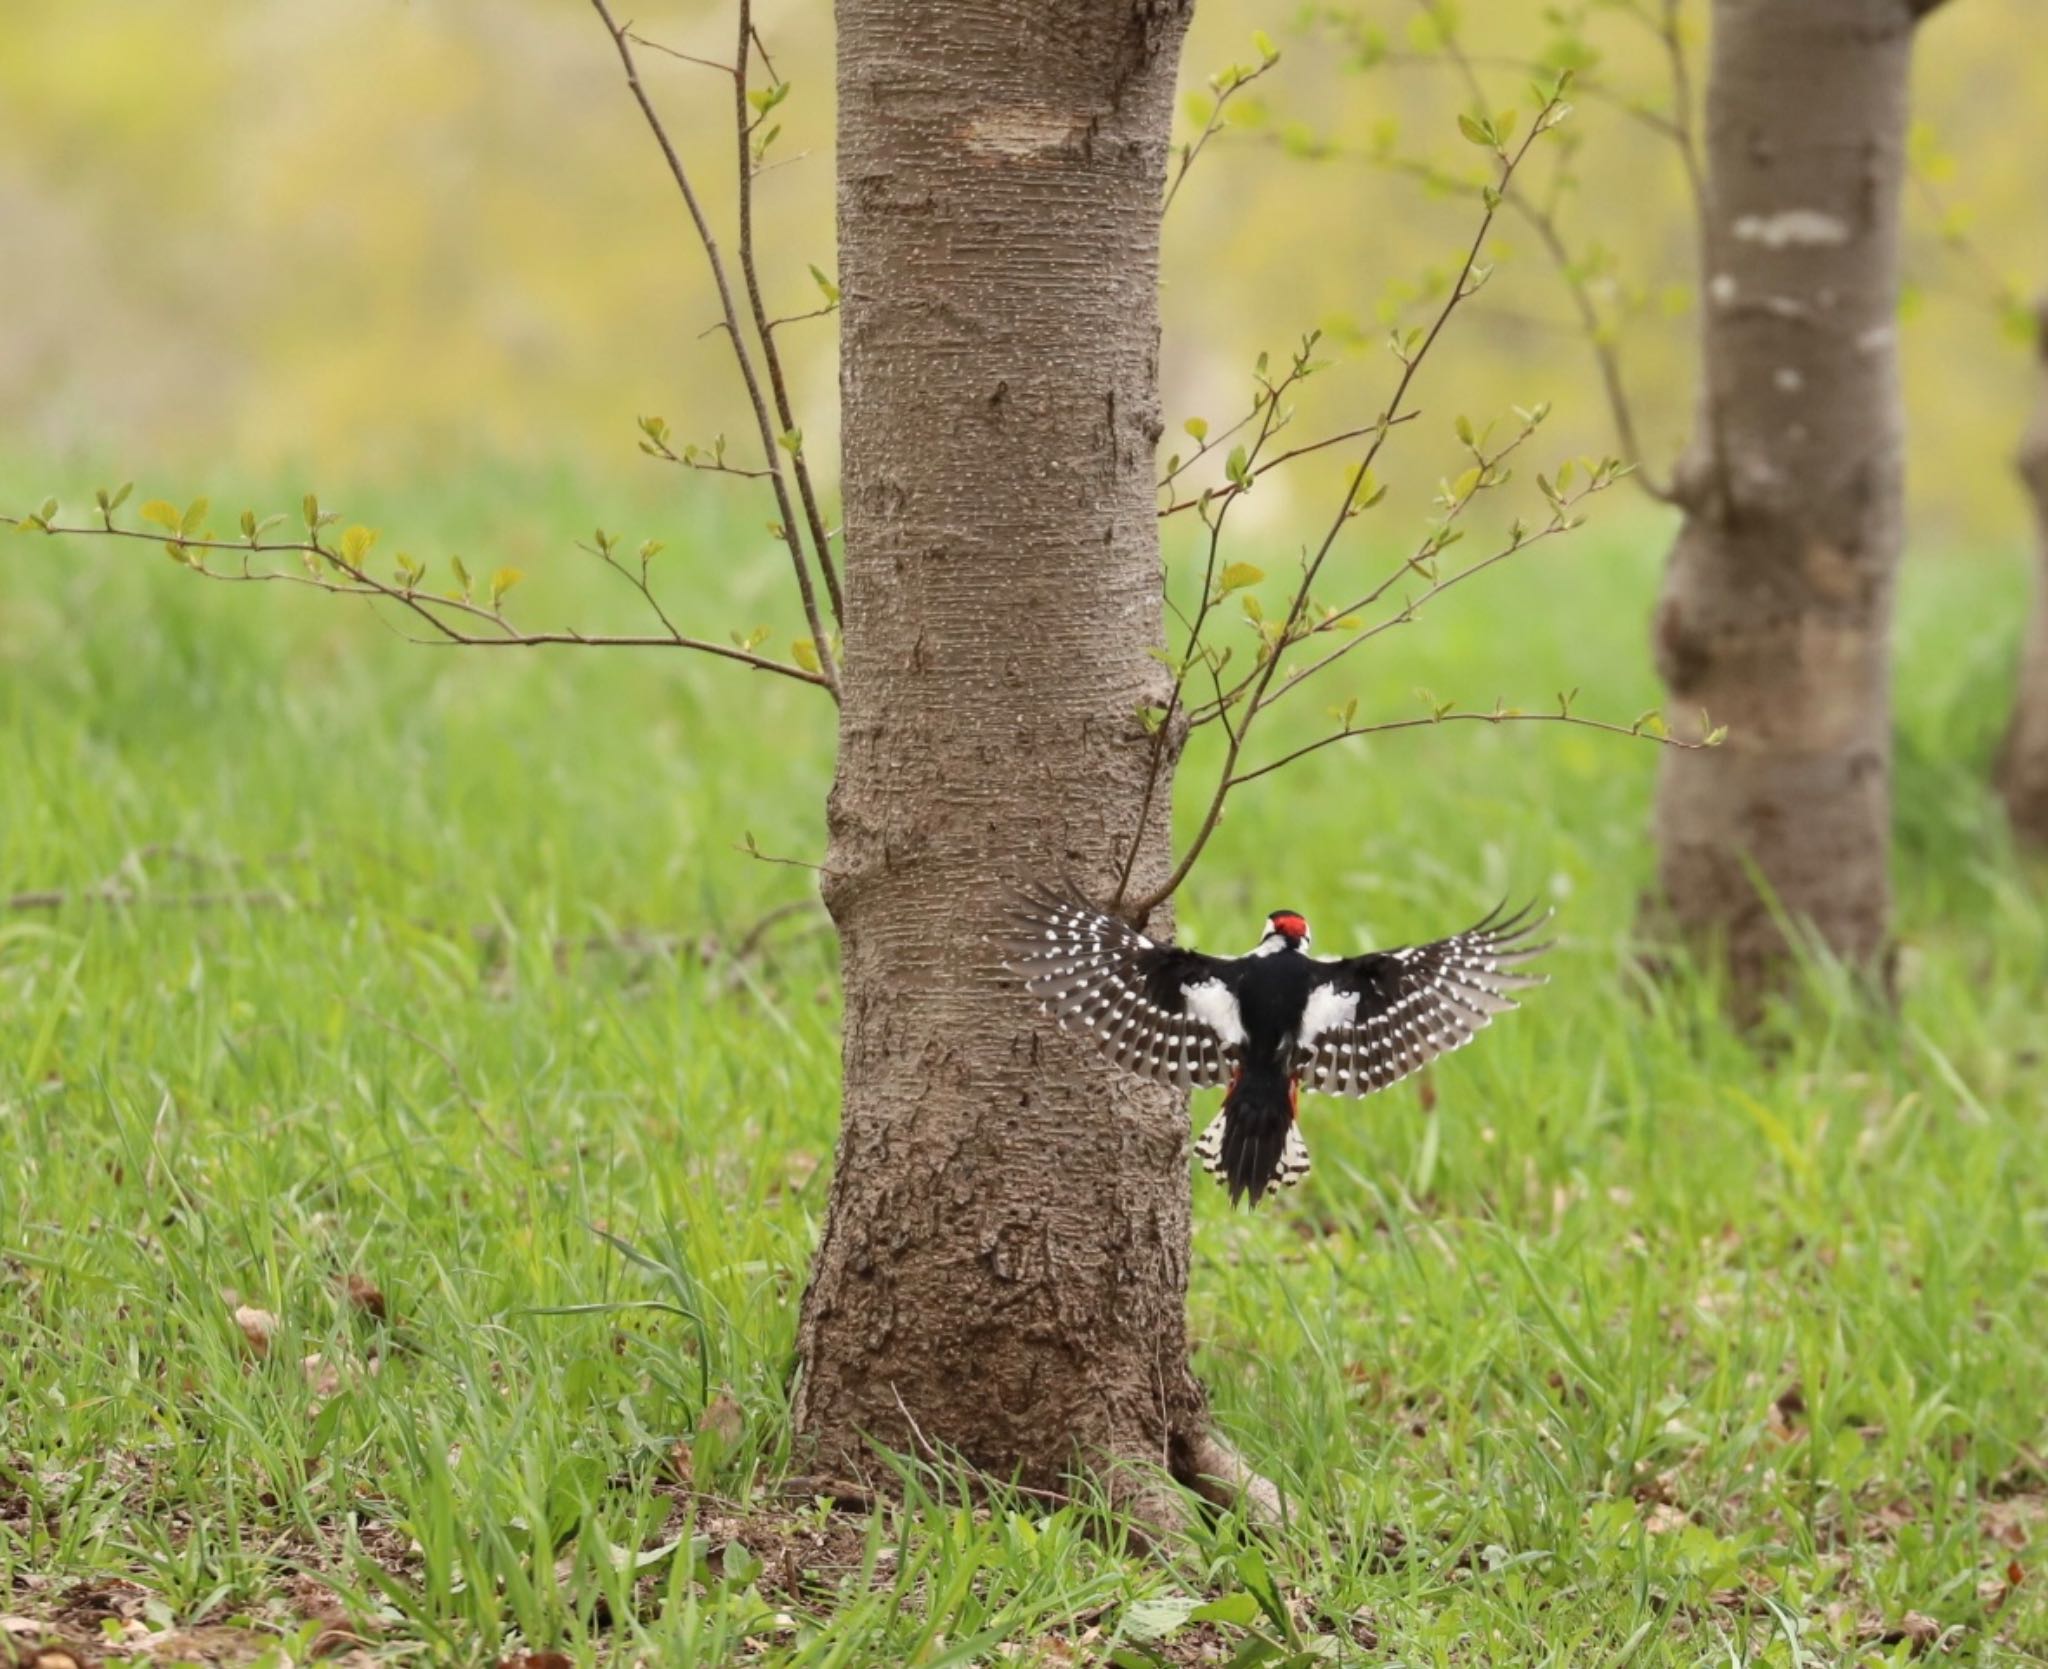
{"x": 1777, "y": 604}
{"x": 2023, "y": 761}
{"x": 1004, "y": 1262}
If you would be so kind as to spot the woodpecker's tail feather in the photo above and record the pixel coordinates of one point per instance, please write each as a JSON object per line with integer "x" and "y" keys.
{"x": 1254, "y": 1144}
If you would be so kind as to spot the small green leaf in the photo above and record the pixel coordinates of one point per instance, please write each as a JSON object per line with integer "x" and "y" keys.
{"x": 121, "y": 496}
{"x": 357, "y": 543}
{"x": 1198, "y": 427}
{"x": 649, "y": 550}
{"x": 1262, "y": 43}
{"x": 826, "y": 288}
{"x": 792, "y": 442}
{"x": 309, "y": 507}
{"x": 1477, "y": 129}
{"x": 804, "y": 651}
{"x": 1238, "y": 575}
{"x": 461, "y": 576}
{"x": 1154, "y": 1619}
{"x": 1238, "y": 468}
{"x": 501, "y": 582}
{"x": 1239, "y": 1608}
{"x": 162, "y": 512}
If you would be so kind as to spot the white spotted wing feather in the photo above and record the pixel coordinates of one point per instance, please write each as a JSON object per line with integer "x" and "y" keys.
{"x": 1379, "y": 1017}
{"x": 1151, "y": 1008}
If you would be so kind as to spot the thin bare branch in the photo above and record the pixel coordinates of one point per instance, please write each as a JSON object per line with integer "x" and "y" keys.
{"x": 1351, "y": 732}
{"x": 798, "y": 318}
{"x": 1543, "y": 222}
{"x": 1272, "y": 419}
{"x": 821, "y": 546}
{"x": 1224, "y": 94}
{"x": 753, "y": 850}
{"x": 1542, "y": 219}
{"x": 439, "y": 612}
{"x": 791, "y": 536}
{"x": 1231, "y": 489}
{"x": 689, "y": 58}
{"x": 1464, "y": 285}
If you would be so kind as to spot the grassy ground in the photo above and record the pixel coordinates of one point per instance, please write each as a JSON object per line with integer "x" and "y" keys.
{"x": 404, "y": 1020}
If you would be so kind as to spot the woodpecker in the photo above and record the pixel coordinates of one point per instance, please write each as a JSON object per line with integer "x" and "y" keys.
{"x": 1267, "y": 1022}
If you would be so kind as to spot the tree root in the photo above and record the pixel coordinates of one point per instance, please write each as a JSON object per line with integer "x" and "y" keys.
{"x": 1215, "y": 1471}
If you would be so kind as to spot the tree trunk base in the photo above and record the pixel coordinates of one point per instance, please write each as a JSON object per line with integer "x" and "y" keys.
{"x": 1152, "y": 1501}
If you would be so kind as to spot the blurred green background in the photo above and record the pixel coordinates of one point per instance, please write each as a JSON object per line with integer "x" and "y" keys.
{"x": 390, "y": 239}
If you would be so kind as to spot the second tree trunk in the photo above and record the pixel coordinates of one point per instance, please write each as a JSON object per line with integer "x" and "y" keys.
{"x": 1777, "y": 605}
{"x": 2023, "y": 762}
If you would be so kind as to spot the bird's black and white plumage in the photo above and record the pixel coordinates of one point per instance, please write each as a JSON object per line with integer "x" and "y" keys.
{"x": 1268, "y": 1022}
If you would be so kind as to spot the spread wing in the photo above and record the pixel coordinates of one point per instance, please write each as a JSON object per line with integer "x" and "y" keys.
{"x": 1372, "y": 1020}
{"x": 1152, "y": 1008}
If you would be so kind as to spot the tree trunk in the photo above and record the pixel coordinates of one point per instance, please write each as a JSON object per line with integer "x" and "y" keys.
{"x": 1777, "y": 604}
{"x": 2023, "y": 761}
{"x": 1004, "y": 1264}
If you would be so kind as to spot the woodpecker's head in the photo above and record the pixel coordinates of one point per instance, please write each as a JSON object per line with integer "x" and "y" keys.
{"x": 1285, "y": 930}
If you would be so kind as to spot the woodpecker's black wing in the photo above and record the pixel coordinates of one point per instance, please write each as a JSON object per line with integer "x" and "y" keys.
{"x": 1152, "y": 1008}
{"x": 1374, "y": 1019}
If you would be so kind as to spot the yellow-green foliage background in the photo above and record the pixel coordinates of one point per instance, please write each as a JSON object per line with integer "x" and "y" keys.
{"x": 366, "y": 239}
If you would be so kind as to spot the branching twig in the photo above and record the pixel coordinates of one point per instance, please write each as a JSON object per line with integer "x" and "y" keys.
{"x": 791, "y": 536}
{"x": 1678, "y": 128}
{"x": 2013, "y": 307}
{"x": 440, "y": 612}
{"x": 1422, "y": 563}
{"x": 1231, "y": 489}
{"x": 1227, "y": 86}
{"x": 1413, "y": 353}
{"x": 1244, "y": 471}
{"x": 753, "y": 850}
{"x": 821, "y": 546}
{"x": 1498, "y": 716}
{"x": 687, "y": 57}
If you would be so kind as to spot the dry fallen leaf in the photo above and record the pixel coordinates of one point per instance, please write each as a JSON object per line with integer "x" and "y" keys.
{"x": 682, "y": 1463}
{"x": 1664, "y": 1519}
{"x": 322, "y": 1375}
{"x": 365, "y": 1295}
{"x": 723, "y": 1419}
{"x": 258, "y": 1327}
{"x": 1915, "y": 1629}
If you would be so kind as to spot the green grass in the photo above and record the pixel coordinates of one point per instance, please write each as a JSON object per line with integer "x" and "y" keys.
{"x": 1647, "y": 1344}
